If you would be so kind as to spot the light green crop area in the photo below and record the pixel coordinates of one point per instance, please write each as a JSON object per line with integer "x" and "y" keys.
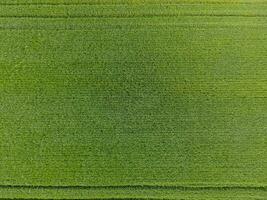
{"x": 133, "y": 99}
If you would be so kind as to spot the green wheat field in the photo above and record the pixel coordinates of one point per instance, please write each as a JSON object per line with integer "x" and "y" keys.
{"x": 133, "y": 99}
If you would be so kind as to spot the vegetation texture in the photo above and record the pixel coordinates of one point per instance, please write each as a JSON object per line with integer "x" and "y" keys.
{"x": 141, "y": 99}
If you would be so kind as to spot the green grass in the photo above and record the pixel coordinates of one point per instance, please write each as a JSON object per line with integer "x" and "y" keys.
{"x": 133, "y": 99}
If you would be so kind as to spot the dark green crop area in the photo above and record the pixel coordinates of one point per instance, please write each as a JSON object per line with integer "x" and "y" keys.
{"x": 141, "y": 99}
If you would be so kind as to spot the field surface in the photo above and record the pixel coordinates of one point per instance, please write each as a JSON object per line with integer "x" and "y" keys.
{"x": 133, "y": 99}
